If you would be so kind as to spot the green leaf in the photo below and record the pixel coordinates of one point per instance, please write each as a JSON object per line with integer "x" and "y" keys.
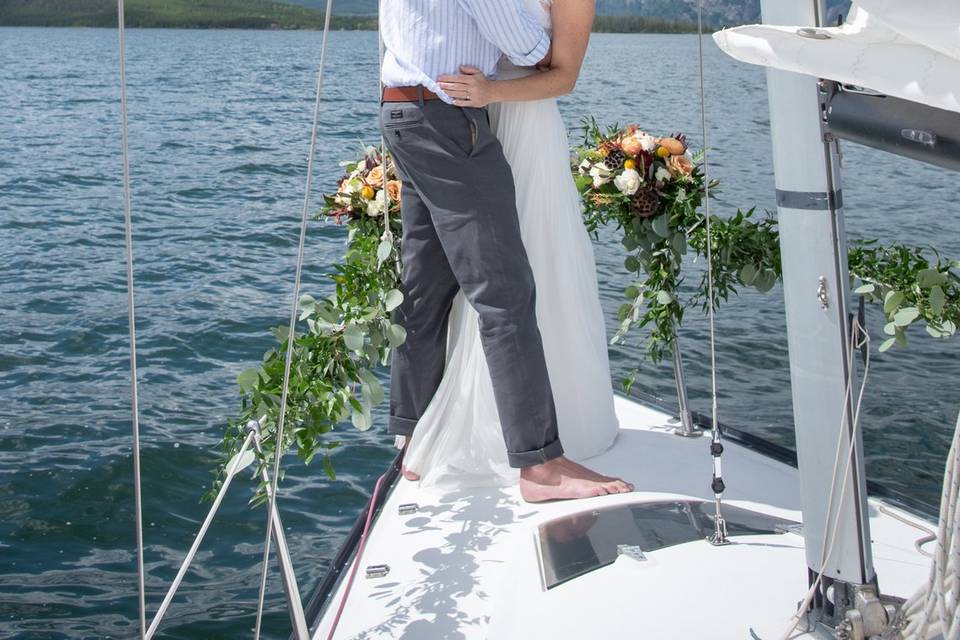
{"x": 664, "y": 297}
{"x": 765, "y": 281}
{"x": 392, "y": 300}
{"x": 632, "y": 264}
{"x": 865, "y": 288}
{"x": 661, "y": 225}
{"x": 328, "y": 468}
{"x": 890, "y": 329}
{"x": 938, "y": 299}
{"x": 892, "y": 301}
{"x": 632, "y": 292}
{"x": 935, "y": 332}
{"x": 383, "y": 251}
{"x": 396, "y": 335}
{"x": 248, "y": 379}
{"x": 887, "y": 344}
{"x": 927, "y": 278}
{"x": 905, "y": 316}
{"x": 362, "y": 419}
{"x": 353, "y": 337}
{"x": 748, "y": 274}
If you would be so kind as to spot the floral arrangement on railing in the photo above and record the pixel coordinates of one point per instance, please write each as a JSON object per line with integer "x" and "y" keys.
{"x": 343, "y": 338}
{"x": 648, "y": 188}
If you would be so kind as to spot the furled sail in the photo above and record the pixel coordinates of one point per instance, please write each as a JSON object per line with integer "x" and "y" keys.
{"x": 909, "y": 50}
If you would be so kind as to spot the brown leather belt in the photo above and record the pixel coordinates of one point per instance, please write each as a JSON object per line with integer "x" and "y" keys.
{"x": 408, "y": 94}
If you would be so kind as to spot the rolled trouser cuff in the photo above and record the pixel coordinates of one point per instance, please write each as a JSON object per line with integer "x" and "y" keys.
{"x": 401, "y": 426}
{"x": 537, "y": 456}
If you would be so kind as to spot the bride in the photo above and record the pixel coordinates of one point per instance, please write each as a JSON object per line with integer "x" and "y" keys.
{"x": 458, "y": 442}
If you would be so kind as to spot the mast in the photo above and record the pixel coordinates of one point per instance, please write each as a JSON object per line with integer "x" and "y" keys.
{"x": 816, "y": 292}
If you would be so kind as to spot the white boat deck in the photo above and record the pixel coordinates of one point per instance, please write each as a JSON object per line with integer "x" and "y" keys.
{"x": 467, "y": 566}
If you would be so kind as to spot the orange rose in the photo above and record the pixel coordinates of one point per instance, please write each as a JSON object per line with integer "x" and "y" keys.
{"x": 631, "y": 145}
{"x": 375, "y": 176}
{"x": 674, "y": 146}
{"x": 679, "y": 165}
{"x": 394, "y": 187}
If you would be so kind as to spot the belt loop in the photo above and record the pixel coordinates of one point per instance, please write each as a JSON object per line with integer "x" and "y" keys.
{"x": 420, "y": 94}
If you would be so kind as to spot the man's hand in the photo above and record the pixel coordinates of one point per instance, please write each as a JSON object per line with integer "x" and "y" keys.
{"x": 544, "y": 64}
{"x": 472, "y": 89}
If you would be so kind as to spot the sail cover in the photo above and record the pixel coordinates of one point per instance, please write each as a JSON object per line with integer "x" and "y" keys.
{"x": 908, "y": 50}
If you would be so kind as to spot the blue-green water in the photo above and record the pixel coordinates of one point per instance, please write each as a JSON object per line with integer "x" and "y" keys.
{"x": 219, "y": 132}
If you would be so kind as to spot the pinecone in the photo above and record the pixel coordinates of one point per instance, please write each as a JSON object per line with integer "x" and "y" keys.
{"x": 645, "y": 202}
{"x": 615, "y": 159}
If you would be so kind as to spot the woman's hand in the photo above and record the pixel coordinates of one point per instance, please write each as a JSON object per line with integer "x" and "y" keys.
{"x": 472, "y": 89}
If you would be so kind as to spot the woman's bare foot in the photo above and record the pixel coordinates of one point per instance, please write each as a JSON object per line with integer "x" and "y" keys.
{"x": 563, "y": 479}
{"x": 412, "y": 476}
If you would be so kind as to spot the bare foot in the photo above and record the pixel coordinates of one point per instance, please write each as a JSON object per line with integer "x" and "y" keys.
{"x": 412, "y": 476}
{"x": 563, "y": 479}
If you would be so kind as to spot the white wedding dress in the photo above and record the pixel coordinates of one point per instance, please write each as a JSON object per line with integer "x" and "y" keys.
{"x": 458, "y": 443}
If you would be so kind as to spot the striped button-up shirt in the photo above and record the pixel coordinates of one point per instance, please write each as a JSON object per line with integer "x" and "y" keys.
{"x": 425, "y": 39}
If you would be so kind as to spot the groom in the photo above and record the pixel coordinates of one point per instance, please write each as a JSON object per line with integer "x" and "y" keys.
{"x": 460, "y": 230}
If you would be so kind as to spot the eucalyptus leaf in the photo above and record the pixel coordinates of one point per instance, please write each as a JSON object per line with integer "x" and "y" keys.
{"x": 361, "y": 419}
{"x": 396, "y": 335}
{"x": 384, "y": 249}
{"x": 664, "y": 297}
{"x": 892, "y": 301}
{"x": 865, "y": 288}
{"x": 905, "y": 316}
{"x": 392, "y": 300}
{"x": 887, "y": 344}
{"x": 890, "y": 329}
{"x": 938, "y": 299}
{"x": 353, "y": 337}
{"x": 748, "y": 274}
{"x": 661, "y": 225}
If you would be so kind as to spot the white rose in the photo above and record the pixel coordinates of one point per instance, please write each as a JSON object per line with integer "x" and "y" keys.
{"x": 351, "y": 185}
{"x": 600, "y": 174}
{"x": 647, "y": 142}
{"x": 662, "y": 175}
{"x": 628, "y": 182}
{"x": 584, "y": 167}
{"x": 375, "y": 207}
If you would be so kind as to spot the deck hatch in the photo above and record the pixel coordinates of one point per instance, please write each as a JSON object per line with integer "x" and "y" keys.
{"x": 576, "y": 544}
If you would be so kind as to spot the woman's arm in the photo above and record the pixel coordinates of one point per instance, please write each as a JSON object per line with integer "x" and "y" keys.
{"x": 572, "y": 22}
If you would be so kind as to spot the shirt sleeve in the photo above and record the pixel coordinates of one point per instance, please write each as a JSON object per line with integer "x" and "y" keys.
{"x": 511, "y": 28}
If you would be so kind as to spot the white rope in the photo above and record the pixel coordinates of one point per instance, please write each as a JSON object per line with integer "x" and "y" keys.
{"x": 231, "y": 472}
{"x": 131, "y": 320}
{"x": 272, "y": 495}
{"x": 720, "y": 533}
{"x": 934, "y": 610}
{"x": 858, "y": 339}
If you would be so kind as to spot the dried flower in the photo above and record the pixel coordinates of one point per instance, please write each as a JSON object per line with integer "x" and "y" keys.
{"x": 680, "y": 165}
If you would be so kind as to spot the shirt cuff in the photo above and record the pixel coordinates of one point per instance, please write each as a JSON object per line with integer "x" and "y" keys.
{"x": 536, "y": 55}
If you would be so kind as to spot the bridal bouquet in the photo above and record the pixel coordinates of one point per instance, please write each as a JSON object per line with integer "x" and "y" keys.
{"x": 650, "y": 188}
{"x": 626, "y": 173}
{"x": 360, "y": 191}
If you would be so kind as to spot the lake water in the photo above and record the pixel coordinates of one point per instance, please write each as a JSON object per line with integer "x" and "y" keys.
{"x": 219, "y": 132}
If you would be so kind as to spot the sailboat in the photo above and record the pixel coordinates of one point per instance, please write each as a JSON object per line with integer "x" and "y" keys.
{"x": 776, "y": 544}
{"x": 809, "y": 548}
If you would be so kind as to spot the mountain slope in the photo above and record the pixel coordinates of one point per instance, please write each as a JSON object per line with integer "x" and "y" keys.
{"x": 716, "y": 12}
{"x": 203, "y": 14}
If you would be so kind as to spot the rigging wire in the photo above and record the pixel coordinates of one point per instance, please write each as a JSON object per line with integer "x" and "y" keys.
{"x": 859, "y": 338}
{"x": 716, "y": 444}
{"x": 291, "y": 333}
{"x": 131, "y": 320}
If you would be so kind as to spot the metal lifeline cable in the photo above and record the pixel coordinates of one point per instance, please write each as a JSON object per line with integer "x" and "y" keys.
{"x": 291, "y": 334}
{"x": 716, "y": 445}
{"x": 131, "y": 320}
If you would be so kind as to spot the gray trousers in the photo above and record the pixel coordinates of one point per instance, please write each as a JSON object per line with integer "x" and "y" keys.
{"x": 460, "y": 231}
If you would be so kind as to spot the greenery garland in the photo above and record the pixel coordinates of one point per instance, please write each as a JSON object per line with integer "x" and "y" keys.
{"x": 650, "y": 189}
